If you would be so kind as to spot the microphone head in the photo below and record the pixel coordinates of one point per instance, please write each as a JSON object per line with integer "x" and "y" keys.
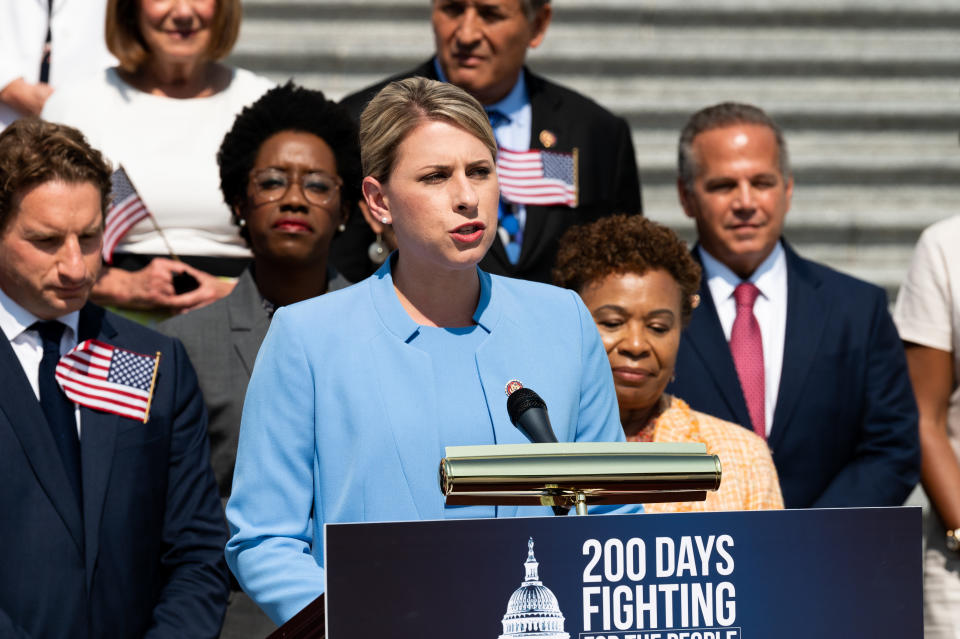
{"x": 522, "y": 400}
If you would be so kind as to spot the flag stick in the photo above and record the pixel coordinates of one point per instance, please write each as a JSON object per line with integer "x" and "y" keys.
{"x": 156, "y": 226}
{"x": 163, "y": 237}
{"x": 153, "y": 383}
{"x": 576, "y": 176}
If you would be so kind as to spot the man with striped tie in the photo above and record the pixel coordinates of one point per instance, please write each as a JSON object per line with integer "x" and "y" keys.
{"x": 109, "y": 514}
{"x": 564, "y": 159}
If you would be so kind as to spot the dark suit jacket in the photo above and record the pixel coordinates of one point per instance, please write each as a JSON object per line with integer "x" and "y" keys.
{"x": 608, "y": 179}
{"x": 222, "y": 340}
{"x": 845, "y": 424}
{"x": 145, "y": 557}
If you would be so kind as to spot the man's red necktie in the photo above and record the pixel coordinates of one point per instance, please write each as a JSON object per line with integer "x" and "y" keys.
{"x": 746, "y": 345}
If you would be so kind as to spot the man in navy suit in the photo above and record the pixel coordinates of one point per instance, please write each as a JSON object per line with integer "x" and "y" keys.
{"x": 111, "y": 525}
{"x": 807, "y": 357}
{"x": 481, "y": 46}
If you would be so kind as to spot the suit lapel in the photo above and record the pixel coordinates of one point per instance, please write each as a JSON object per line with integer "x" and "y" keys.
{"x": 248, "y": 320}
{"x": 417, "y": 437}
{"x": 806, "y": 320}
{"x": 98, "y": 433}
{"x": 495, "y": 371}
{"x": 20, "y": 408}
{"x": 705, "y": 336}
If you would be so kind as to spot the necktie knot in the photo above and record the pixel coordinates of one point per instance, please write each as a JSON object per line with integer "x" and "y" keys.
{"x": 50, "y": 333}
{"x": 497, "y": 118}
{"x": 746, "y": 294}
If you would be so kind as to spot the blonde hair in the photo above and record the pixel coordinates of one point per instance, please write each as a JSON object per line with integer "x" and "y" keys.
{"x": 125, "y": 41}
{"x": 401, "y": 106}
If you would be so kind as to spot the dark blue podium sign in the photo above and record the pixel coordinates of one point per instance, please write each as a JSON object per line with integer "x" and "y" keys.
{"x": 794, "y": 574}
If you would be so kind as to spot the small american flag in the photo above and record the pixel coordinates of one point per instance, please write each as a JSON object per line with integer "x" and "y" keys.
{"x": 126, "y": 209}
{"x": 103, "y": 377}
{"x": 538, "y": 177}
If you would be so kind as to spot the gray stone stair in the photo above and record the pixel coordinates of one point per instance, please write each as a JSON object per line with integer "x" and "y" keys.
{"x": 867, "y": 91}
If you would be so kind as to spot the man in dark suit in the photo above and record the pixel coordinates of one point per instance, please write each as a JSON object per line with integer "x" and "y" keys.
{"x": 481, "y": 46}
{"x": 807, "y": 357}
{"x": 111, "y": 524}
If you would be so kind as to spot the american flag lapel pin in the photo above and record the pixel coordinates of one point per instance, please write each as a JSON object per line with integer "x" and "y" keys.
{"x": 109, "y": 379}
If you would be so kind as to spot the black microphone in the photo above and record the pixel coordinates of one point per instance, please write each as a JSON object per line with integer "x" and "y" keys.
{"x": 528, "y": 412}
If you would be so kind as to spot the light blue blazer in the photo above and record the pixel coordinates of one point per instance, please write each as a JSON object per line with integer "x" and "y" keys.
{"x": 340, "y": 419}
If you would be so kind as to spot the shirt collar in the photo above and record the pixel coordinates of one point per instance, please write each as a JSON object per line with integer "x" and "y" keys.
{"x": 509, "y": 105}
{"x": 14, "y": 319}
{"x": 722, "y": 280}
{"x": 398, "y": 321}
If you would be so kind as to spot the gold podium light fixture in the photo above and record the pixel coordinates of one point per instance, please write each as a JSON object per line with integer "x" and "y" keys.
{"x": 577, "y": 474}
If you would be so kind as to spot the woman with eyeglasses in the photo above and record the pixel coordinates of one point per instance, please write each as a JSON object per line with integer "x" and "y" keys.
{"x": 290, "y": 170}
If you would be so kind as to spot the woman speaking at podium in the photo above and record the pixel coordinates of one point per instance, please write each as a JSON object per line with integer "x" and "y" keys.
{"x": 356, "y": 394}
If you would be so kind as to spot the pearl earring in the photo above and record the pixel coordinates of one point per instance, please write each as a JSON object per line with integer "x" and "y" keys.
{"x": 378, "y": 250}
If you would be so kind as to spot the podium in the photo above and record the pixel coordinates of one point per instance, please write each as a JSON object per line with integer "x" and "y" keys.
{"x": 793, "y": 574}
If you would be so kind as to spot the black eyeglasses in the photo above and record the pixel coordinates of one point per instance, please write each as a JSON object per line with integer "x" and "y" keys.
{"x": 270, "y": 185}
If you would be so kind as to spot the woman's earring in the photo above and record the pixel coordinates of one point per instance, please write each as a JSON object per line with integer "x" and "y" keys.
{"x": 384, "y": 220}
{"x": 342, "y": 227}
{"x": 241, "y": 222}
{"x": 378, "y": 250}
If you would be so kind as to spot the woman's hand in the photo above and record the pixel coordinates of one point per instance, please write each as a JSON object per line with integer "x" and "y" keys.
{"x": 26, "y": 98}
{"x": 152, "y": 287}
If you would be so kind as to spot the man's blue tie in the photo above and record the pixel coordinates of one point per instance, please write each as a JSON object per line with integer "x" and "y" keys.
{"x": 56, "y": 407}
{"x": 505, "y": 213}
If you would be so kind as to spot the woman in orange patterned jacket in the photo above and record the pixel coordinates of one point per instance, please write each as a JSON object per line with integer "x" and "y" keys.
{"x": 640, "y": 283}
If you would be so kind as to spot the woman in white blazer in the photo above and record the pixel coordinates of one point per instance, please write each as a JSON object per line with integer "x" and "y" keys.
{"x": 356, "y": 394}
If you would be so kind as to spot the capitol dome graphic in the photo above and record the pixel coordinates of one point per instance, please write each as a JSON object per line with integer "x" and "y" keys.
{"x": 533, "y": 610}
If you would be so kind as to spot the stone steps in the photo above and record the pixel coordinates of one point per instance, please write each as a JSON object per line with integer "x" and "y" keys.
{"x": 866, "y": 91}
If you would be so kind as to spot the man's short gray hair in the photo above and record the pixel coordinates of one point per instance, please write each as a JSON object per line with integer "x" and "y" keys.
{"x": 720, "y": 116}
{"x": 529, "y": 7}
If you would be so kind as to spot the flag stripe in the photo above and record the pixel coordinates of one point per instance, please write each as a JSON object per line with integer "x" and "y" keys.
{"x": 106, "y": 389}
{"x": 537, "y": 177}
{"x": 128, "y": 213}
{"x": 117, "y": 227}
{"x": 88, "y": 364}
{"x": 101, "y": 376}
{"x": 109, "y": 407}
{"x": 123, "y": 221}
{"x": 123, "y": 213}
{"x": 81, "y": 397}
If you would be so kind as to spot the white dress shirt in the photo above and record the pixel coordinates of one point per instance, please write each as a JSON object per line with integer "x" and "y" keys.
{"x": 15, "y": 322}
{"x": 77, "y": 42}
{"x": 770, "y": 309}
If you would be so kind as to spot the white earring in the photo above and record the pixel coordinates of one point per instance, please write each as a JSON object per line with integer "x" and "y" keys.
{"x": 384, "y": 220}
{"x": 378, "y": 250}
